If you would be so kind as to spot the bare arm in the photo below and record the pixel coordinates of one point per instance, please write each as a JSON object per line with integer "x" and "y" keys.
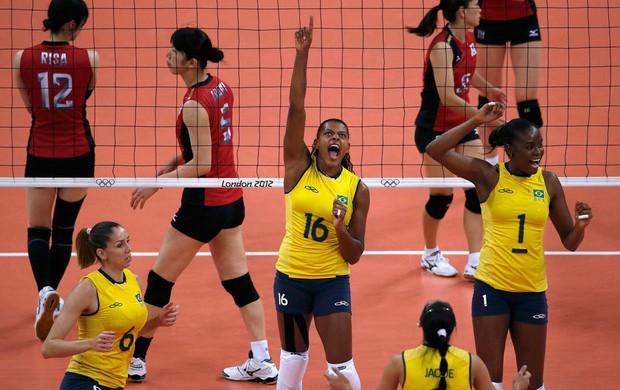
{"x": 83, "y": 299}
{"x": 19, "y": 83}
{"x": 296, "y": 154}
{"x": 478, "y": 171}
{"x": 571, "y": 233}
{"x": 351, "y": 240}
{"x": 480, "y": 374}
{"x": 166, "y": 316}
{"x": 93, "y": 56}
{"x": 393, "y": 374}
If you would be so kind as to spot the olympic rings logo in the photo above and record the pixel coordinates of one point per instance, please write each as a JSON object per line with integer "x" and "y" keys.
{"x": 341, "y": 303}
{"x": 105, "y": 182}
{"x": 116, "y": 304}
{"x": 505, "y": 191}
{"x": 390, "y": 183}
{"x": 539, "y": 316}
{"x": 311, "y": 188}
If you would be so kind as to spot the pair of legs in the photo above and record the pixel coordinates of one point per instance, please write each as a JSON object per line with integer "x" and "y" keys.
{"x": 49, "y": 263}
{"x": 529, "y": 341}
{"x": 178, "y": 250}
{"x": 525, "y": 59}
{"x": 472, "y": 221}
{"x": 336, "y": 335}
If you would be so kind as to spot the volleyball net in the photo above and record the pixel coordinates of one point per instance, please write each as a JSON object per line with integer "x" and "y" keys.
{"x": 364, "y": 68}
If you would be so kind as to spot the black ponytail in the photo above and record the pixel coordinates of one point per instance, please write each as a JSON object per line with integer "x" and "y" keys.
{"x": 429, "y": 23}
{"x": 438, "y": 322}
{"x": 60, "y": 12}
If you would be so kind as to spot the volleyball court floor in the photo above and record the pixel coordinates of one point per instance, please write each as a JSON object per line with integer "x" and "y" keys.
{"x": 389, "y": 289}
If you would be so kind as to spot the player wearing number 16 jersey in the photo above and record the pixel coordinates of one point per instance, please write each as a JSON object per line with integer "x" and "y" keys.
{"x": 517, "y": 197}
{"x": 326, "y": 211}
{"x": 55, "y": 79}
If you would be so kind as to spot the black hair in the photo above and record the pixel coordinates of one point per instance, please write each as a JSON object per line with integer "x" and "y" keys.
{"x": 346, "y": 160}
{"x": 505, "y": 134}
{"x": 88, "y": 240}
{"x": 429, "y": 23}
{"x": 195, "y": 43}
{"x": 438, "y": 321}
{"x": 60, "y": 12}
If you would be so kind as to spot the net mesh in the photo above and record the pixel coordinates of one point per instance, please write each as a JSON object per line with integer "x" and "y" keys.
{"x": 364, "y": 68}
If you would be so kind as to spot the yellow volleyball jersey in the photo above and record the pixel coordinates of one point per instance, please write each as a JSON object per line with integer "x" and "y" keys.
{"x": 422, "y": 368}
{"x": 121, "y": 309}
{"x": 514, "y": 216}
{"x": 310, "y": 248}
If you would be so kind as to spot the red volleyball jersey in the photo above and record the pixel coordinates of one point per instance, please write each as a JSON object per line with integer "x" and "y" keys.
{"x": 57, "y": 75}
{"x": 506, "y": 9}
{"x": 217, "y": 98}
{"x": 433, "y": 114}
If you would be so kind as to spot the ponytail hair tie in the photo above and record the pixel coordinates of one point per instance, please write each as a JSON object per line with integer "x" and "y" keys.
{"x": 88, "y": 231}
{"x": 442, "y": 332}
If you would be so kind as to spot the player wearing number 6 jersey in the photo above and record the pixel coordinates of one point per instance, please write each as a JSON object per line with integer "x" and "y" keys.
{"x": 55, "y": 79}
{"x": 326, "y": 211}
{"x": 108, "y": 308}
{"x": 516, "y": 199}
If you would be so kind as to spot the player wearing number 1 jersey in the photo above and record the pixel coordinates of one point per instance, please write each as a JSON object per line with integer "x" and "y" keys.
{"x": 55, "y": 79}
{"x": 326, "y": 211}
{"x": 516, "y": 198}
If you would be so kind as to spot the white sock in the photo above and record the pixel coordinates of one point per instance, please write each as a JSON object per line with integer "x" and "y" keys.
{"x": 498, "y": 386}
{"x": 473, "y": 259}
{"x": 348, "y": 370}
{"x": 428, "y": 252}
{"x": 541, "y": 387}
{"x": 492, "y": 160}
{"x": 292, "y": 369}
{"x": 260, "y": 350}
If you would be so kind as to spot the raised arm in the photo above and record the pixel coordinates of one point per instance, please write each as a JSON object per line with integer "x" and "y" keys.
{"x": 296, "y": 154}
{"x": 478, "y": 171}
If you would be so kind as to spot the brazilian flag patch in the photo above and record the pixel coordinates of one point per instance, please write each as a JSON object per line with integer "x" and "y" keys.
{"x": 343, "y": 199}
{"x": 138, "y": 297}
{"x": 539, "y": 195}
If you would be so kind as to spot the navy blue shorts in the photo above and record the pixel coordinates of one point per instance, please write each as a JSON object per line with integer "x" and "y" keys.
{"x": 528, "y": 307}
{"x": 81, "y": 166}
{"x": 318, "y": 296}
{"x": 423, "y": 137}
{"x": 72, "y": 381}
{"x": 499, "y": 32}
{"x": 203, "y": 223}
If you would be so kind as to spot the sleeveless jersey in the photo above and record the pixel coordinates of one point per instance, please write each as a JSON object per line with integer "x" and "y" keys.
{"x": 217, "y": 99}
{"x": 514, "y": 217}
{"x": 121, "y": 309}
{"x": 506, "y": 9}
{"x": 433, "y": 114}
{"x": 422, "y": 368}
{"x": 310, "y": 248}
{"x": 56, "y": 76}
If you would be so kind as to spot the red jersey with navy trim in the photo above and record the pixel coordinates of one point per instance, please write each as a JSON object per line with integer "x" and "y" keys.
{"x": 506, "y": 9}
{"x": 217, "y": 99}
{"x": 57, "y": 76}
{"x": 433, "y": 114}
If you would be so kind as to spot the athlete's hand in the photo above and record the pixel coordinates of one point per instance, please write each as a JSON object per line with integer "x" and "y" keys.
{"x": 303, "y": 37}
{"x": 497, "y": 95}
{"x": 583, "y": 214}
{"x": 336, "y": 380}
{"x": 521, "y": 381}
{"x": 168, "y": 314}
{"x": 140, "y": 195}
{"x": 339, "y": 210}
{"x": 490, "y": 112}
{"x": 103, "y": 342}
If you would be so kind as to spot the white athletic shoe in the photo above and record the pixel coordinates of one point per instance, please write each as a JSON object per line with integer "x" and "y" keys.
{"x": 470, "y": 269}
{"x": 264, "y": 372}
{"x": 61, "y": 304}
{"x": 438, "y": 265}
{"x": 48, "y": 302}
{"x": 137, "y": 370}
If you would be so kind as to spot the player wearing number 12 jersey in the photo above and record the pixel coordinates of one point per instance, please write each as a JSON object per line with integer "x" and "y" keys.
{"x": 516, "y": 198}
{"x": 55, "y": 79}
{"x": 326, "y": 211}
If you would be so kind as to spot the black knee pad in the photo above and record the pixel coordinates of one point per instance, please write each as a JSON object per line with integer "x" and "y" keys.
{"x": 482, "y": 100}
{"x": 530, "y": 110}
{"x": 438, "y": 205}
{"x": 39, "y": 234}
{"x": 290, "y": 321}
{"x": 472, "y": 203}
{"x": 241, "y": 289}
{"x": 158, "y": 290}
